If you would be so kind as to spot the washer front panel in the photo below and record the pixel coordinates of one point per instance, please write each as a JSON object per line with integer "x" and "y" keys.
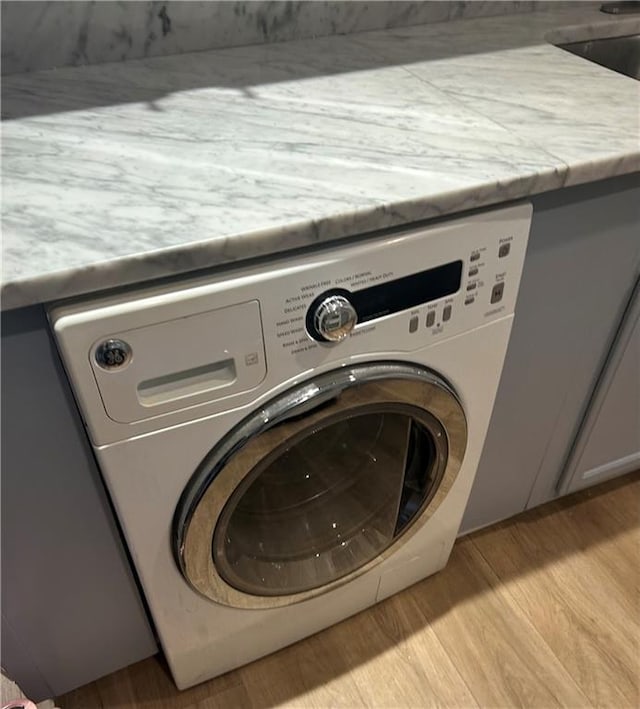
{"x": 148, "y": 463}
{"x": 406, "y": 391}
{"x": 146, "y": 475}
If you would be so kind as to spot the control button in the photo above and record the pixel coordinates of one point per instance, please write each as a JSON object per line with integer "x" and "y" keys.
{"x": 473, "y": 271}
{"x": 413, "y": 324}
{"x": 431, "y": 318}
{"x": 446, "y": 313}
{"x": 475, "y": 256}
{"x": 504, "y": 249}
{"x": 334, "y": 318}
{"x": 469, "y": 300}
{"x": 472, "y": 286}
{"x": 496, "y": 292}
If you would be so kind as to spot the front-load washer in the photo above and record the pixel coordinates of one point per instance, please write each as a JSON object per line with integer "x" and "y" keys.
{"x": 287, "y": 443}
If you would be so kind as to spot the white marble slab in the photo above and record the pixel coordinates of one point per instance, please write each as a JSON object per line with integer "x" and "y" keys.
{"x": 56, "y": 33}
{"x": 582, "y": 114}
{"x": 127, "y": 172}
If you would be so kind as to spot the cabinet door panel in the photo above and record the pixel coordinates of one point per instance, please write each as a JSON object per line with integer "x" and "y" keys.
{"x": 609, "y": 440}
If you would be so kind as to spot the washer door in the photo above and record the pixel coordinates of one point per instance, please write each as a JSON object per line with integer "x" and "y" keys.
{"x": 319, "y": 485}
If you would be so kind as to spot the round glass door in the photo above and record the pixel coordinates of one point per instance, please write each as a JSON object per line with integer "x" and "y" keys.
{"x": 327, "y": 504}
{"x": 326, "y": 480}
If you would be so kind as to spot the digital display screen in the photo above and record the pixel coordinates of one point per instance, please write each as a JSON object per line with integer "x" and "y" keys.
{"x": 408, "y": 292}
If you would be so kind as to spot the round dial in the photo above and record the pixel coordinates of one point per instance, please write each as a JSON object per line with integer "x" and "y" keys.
{"x": 334, "y": 318}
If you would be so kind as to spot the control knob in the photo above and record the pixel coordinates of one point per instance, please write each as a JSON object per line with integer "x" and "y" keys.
{"x": 334, "y": 318}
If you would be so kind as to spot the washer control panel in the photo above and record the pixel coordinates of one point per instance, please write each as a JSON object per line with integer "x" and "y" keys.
{"x": 335, "y": 312}
{"x": 163, "y": 354}
{"x": 403, "y": 292}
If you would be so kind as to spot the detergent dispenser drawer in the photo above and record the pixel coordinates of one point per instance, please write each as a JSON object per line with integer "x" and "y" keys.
{"x": 153, "y": 370}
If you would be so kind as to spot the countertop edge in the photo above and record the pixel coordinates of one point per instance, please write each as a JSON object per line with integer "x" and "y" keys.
{"x": 224, "y": 252}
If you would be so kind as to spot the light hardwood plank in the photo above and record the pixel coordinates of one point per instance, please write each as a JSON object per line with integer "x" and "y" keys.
{"x": 601, "y": 522}
{"x": 148, "y": 684}
{"x": 620, "y": 498}
{"x": 87, "y": 697}
{"x": 382, "y": 657}
{"x": 539, "y": 611}
{"x": 415, "y": 670}
{"x": 490, "y": 640}
{"x": 234, "y": 697}
{"x": 596, "y": 642}
{"x": 300, "y": 675}
{"x": 586, "y": 547}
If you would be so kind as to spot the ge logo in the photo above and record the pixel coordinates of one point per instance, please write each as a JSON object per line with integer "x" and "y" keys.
{"x": 114, "y": 357}
{"x": 112, "y": 354}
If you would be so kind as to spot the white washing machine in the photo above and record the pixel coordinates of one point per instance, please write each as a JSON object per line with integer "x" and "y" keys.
{"x": 287, "y": 443}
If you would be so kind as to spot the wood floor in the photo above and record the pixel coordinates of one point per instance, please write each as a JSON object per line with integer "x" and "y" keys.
{"x": 539, "y": 611}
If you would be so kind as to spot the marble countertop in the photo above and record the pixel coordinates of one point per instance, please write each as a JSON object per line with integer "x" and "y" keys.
{"x": 118, "y": 173}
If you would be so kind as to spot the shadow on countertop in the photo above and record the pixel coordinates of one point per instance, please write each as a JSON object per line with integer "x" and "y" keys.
{"x": 149, "y": 80}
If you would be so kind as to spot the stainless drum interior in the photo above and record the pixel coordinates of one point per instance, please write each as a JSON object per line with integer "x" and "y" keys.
{"x": 319, "y": 485}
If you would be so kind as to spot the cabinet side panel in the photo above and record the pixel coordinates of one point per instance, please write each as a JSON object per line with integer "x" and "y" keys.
{"x": 67, "y": 589}
{"x": 580, "y": 268}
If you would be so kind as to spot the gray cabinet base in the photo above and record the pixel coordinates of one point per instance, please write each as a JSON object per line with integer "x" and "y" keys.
{"x": 73, "y": 606}
{"x": 582, "y": 262}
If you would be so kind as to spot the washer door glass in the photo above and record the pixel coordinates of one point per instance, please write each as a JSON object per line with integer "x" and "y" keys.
{"x": 327, "y": 504}
{"x": 319, "y": 485}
